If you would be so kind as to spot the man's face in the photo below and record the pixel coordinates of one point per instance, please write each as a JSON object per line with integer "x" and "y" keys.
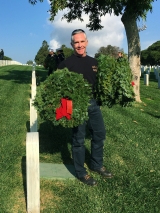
{"x": 79, "y": 44}
{"x": 51, "y": 52}
{"x": 119, "y": 54}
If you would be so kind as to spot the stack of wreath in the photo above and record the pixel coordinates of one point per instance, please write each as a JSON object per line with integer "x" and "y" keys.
{"x": 63, "y": 98}
{"x": 114, "y": 82}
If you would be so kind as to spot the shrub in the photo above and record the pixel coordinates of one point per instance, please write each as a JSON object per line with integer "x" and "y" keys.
{"x": 114, "y": 79}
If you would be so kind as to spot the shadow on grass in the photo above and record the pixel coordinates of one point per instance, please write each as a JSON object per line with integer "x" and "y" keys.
{"x": 20, "y": 77}
{"x": 55, "y": 139}
{"x": 21, "y": 74}
{"x": 23, "y": 167}
{"x": 28, "y": 125}
{"x": 155, "y": 116}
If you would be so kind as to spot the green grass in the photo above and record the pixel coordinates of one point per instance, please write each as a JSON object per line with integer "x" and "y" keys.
{"x": 14, "y": 122}
{"x": 131, "y": 152}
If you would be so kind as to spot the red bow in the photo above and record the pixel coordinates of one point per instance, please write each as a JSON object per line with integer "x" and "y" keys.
{"x": 65, "y": 109}
{"x": 132, "y": 83}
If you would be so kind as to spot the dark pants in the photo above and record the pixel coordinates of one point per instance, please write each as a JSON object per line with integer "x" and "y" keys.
{"x": 98, "y": 132}
{"x": 50, "y": 71}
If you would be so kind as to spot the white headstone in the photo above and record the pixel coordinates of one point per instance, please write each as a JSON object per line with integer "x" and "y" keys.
{"x": 33, "y": 81}
{"x": 33, "y": 118}
{"x": 33, "y": 74}
{"x": 146, "y": 79}
{"x": 32, "y": 172}
{"x": 33, "y": 91}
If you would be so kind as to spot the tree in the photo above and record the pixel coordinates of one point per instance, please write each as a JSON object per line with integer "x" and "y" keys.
{"x": 130, "y": 11}
{"x": 7, "y": 58}
{"x": 42, "y": 53}
{"x": 1, "y": 54}
{"x": 67, "y": 51}
{"x": 109, "y": 50}
{"x": 30, "y": 62}
{"x": 151, "y": 56}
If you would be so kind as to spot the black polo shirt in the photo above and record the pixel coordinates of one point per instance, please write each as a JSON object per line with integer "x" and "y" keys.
{"x": 82, "y": 65}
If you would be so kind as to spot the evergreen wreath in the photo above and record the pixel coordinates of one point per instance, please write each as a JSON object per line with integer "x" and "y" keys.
{"x": 63, "y": 84}
{"x": 113, "y": 84}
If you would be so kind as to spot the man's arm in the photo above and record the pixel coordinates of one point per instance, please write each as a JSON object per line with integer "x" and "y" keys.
{"x": 61, "y": 65}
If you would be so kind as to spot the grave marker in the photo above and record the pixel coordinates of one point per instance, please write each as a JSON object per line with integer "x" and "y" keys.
{"x": 146, "y": 79}
{"x": 33, "y": 91}
{"x": 33, "y": 117}
{"x": 33, "y": 81}
{"x": 33, "y": 176}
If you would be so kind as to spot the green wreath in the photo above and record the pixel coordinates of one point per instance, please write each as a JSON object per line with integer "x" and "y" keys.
{"x": 114, "y": 82}
{"x": 63, "y": 84}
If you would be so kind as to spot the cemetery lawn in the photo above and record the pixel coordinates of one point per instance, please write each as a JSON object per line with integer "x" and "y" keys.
{"x": 131, "y": 152}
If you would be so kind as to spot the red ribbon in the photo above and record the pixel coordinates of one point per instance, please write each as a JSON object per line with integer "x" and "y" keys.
{"x": 132, "y": 83}
{"x": 65, "y": 110}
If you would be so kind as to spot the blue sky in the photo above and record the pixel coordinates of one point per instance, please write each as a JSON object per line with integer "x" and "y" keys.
{"x": 24, "y": 27}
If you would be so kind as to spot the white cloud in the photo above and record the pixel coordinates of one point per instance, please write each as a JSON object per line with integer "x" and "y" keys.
{"x": 111, "y": 34}
{"x": 54, "y": 44}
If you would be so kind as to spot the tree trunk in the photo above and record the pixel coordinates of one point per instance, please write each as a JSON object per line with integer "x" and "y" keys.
{"x": 134, "y": 50}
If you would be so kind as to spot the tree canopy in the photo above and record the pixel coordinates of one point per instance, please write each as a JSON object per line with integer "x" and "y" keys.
{"x": 109, "y": 50}
{"x": 151, "y": 56}
{"x": 30, "y": 62}
{"x": 97, "y": 8}
{"x": 7, "y": 58}
{"x": 67, "y": 51}
{"x": 42, "y": 53}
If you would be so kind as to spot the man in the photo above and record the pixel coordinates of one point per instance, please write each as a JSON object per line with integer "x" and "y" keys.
{"x": 60, "y": 55}
{"x": 79, "y": 62}
{"x": 120, "y": 56}
{"x": 51, "y": 62}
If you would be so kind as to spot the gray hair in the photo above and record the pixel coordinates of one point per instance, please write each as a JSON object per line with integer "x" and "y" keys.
{"x": 77, "y": 32}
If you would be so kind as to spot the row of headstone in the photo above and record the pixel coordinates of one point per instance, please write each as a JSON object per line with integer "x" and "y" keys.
{"x": 147, "y": 70}
{"x": 9, "y": 62}
{"x": 32, "y": 156}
